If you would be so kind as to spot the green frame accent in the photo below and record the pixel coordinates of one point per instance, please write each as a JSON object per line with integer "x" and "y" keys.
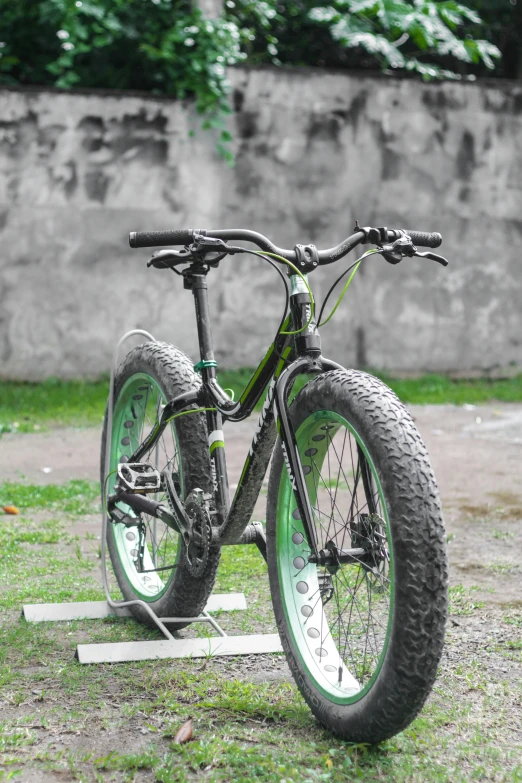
{"x": 218, "y": 444}
{"x": 204, "y": 363}
{"x": 287, "y": 550}
{"x": 256, "y": 375}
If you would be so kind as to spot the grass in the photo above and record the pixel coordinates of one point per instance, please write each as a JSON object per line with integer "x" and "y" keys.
{"x": 461, "y": 600}
{"x": 29, "y": 407}
{"x": 63, "y": 721}
{"x": 74, "y": 497}
{"x": 442, "y": 390}
{"x": 26, "y": 407}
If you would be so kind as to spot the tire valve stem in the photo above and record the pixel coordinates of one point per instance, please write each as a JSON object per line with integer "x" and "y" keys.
{"x": 340, "y": 674}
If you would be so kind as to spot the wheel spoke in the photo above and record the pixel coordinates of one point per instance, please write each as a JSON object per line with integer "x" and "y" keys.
{"x": 143, "y": 407}
{"x": 348, "y": 607}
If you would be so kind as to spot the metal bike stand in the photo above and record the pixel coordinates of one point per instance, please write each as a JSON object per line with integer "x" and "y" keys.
{"x": 117, "y": 652}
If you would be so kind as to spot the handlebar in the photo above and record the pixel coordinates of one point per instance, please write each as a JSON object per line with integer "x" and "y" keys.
{"x": 374, "y": 235}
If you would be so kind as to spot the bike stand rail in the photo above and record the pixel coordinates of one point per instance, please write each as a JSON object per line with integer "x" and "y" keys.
{"x": 98, "y": 610}
{"x": 118, "y": 652}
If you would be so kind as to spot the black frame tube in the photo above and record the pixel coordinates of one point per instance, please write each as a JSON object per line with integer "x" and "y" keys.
{"x": 286, "y": 359}
{"x": 213, "y": 415}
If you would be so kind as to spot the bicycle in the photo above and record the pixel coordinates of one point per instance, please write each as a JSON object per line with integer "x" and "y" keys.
{"x": 354, "y": 539}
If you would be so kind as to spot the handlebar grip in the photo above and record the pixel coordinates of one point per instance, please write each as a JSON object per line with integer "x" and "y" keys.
{"x": 159, "y": 238}
{"x": 425, "y": 238}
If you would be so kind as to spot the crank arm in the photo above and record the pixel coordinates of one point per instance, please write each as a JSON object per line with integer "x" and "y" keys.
{"x": 143, "y": 505}
{"x": 183, "y": 522}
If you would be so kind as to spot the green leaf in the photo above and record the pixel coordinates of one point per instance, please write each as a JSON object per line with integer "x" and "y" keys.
{"x": 488, "y": 52}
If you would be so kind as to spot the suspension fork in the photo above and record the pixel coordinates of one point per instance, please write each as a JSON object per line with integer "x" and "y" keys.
{"x": 367, "y": 481}
{"x": 302, "y": 365}
{"x": 308, "y": 348}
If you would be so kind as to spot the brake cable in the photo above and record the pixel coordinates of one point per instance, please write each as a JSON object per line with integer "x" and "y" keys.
{"x": 305, "y": 281}
{"x": 285, "y": 311}
{"x": 355, "y": 266}
{"x": 266, "y": 257}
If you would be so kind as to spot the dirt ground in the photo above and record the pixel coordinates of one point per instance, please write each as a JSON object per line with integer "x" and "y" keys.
{"x": 476, "y": 452}
{"x": 472, "y": 714}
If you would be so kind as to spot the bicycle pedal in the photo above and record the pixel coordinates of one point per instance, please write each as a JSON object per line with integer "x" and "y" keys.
{"x": 139, "y": 477}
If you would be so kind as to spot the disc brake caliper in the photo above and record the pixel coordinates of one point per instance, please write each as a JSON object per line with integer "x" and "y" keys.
{"x": 369, "y": 533}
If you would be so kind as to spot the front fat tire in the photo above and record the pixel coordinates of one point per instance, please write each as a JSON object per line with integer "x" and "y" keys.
{"x": 416, "y": 634}
{"x": 173, "y": 372}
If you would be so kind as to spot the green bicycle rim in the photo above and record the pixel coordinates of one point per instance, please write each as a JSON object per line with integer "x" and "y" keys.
{"x": 129, "y": 419}
{"x": 310, "y": 631}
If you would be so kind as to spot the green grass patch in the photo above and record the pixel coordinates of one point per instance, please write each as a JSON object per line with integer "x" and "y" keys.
{"x": 74, "y": 497}
{"x": 442, "y": 390}
{"x": 461, "y": 600}
{"x": 29, "y": 407}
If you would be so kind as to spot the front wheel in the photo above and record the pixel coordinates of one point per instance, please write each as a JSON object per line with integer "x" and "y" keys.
{"x": 363, "y": 632}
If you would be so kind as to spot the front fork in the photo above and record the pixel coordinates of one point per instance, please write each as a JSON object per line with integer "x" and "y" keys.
{"x": 302, "y": 365}
{"x": 309, "y": 360}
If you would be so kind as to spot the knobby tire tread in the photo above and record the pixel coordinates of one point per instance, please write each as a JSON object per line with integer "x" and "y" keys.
{"x": 174, "y": 372}
{"x": 417, "y": 530}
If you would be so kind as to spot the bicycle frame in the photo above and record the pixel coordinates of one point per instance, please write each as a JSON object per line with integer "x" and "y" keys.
{"x": 287, "y": 358}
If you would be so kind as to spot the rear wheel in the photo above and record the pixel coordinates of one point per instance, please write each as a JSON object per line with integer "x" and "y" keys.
{"x": 150, "y": 560}
{"x": 363, "y": 629}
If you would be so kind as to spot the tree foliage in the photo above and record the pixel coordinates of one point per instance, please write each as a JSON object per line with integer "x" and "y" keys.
{"x": 398, "y": 34}
{"x": 503, "y": 19}
{"x": 166, "y": 46}
{"x": 433, "y": 38}
{"x": 155, "y": 45}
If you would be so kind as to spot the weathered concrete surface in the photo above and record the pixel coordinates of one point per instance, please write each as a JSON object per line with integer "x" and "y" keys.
{"x": 314, "y": 152}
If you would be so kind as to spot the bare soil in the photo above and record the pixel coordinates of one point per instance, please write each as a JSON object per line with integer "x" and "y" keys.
{"x": 476, "y": 453}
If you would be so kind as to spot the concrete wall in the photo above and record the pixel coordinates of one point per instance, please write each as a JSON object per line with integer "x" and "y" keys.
{"x": 314, "y": 152}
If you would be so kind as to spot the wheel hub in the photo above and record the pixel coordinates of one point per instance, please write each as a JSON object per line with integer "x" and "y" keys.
{"x": 369, "y": 533}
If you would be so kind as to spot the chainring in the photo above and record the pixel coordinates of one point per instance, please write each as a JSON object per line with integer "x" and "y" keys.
{"x": 197, "y": 551}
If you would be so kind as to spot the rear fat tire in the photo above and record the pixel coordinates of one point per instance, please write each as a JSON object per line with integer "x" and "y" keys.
{"x": 416, "y": 637}
{"x": 172, "y": 370}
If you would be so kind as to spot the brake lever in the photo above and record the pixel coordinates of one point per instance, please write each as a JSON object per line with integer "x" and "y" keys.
{"x": 395, "y": 252}
{"x": 433, "y": 257}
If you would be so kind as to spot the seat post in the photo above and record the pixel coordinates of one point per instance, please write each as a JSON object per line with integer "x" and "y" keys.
{"x": 207, "y": 367}
{"x": 206, "y": 350}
